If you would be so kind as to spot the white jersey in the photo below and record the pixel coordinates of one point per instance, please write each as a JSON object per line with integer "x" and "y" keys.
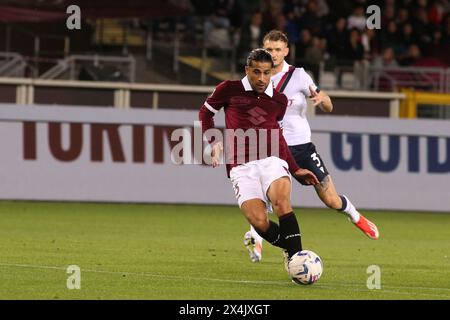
{"x": 296, "y": 128}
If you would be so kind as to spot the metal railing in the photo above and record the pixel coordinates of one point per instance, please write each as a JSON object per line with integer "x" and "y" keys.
{"x": 74, "y": 62}
{"x": 38, "y": 55}
{"x": 212, "y": 53}
{"x": 423, "y": 78}
{"x": 12, "y": 64}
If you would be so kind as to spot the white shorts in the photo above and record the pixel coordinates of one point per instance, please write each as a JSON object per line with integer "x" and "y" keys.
{"x": 251, "y": 180}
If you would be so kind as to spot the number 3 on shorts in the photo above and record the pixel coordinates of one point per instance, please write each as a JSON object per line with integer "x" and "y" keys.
{"x": 236, "y": 191}
{"x": 316, "y": 158}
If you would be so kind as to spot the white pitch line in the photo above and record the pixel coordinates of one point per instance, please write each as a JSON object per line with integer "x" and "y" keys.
{"x": 398, "y": 287}
{"x": 145, "y": 274}
{"x": 332, "y": 286}
{"x": 390, "y": 291}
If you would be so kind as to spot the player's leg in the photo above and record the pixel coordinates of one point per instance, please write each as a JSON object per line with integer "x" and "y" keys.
{"x": 307, "y": 157}
{"x": 255, "y": 212}
{"x": 255, "y": 235}
{"x": 253, "y": 245}
{"x": 279, "y": 194}
{"x": 252, "y": 201}
{"x": 253, "y": 242}
{"x": 329, "y": 196}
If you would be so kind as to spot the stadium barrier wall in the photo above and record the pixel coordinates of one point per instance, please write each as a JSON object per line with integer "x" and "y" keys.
{"x": 168, "y": 96}
{"x": 124, "y": 155}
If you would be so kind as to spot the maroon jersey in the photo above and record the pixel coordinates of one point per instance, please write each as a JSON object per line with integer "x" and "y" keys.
{"x": 256, "y": 116}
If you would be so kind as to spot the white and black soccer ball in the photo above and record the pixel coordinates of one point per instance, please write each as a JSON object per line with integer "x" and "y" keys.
{"x": 305, "y": 267}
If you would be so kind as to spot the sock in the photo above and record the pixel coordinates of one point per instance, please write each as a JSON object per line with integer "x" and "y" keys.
{"x": 272, "y": 235}
{"x": 256, "y": 235}
{"x": 349, "y": 209}
{"x": 290, "y": 233}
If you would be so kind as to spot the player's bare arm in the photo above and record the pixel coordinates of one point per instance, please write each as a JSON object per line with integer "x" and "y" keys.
{"x": 216, "y": 153}
{"x": 307, "y": 176}
{"x": 321, "y": 99}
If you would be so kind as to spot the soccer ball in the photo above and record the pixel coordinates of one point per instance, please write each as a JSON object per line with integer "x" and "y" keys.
{"x": 305, "y": 267}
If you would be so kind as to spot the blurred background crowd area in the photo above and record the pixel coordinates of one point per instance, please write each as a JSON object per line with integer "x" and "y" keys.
{"x": 202, "y": 42}
{"x": 412, "y": 33}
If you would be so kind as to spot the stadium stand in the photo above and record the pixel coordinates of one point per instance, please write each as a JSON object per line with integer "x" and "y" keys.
{"x": 202, "y": 43}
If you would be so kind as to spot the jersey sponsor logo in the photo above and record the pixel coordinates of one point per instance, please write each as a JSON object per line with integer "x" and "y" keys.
{"x": 257, "y": 115}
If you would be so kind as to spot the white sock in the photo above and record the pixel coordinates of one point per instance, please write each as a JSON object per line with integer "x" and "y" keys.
{"x": 255, "y": 235}
{"x": 351, "y": 211}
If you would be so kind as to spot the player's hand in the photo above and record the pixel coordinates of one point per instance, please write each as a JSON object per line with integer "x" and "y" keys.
{"x": 306, "y": 176}
{"x": 317, "y": 98}
{"x": 216, "y": 154}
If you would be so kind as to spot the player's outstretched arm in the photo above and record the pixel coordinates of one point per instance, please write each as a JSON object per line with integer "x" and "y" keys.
{"x": 321, "y": 99}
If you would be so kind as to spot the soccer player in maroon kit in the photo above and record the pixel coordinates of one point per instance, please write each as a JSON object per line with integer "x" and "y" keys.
{"x": 252, "y": 106}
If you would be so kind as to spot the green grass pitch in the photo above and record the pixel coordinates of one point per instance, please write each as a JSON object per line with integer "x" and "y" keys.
{"x": 183, "y": 252}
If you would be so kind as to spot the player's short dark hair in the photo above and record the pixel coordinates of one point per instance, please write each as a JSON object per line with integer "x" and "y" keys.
{"x": 276, "y": 35}
{"x": 259, "y": 55}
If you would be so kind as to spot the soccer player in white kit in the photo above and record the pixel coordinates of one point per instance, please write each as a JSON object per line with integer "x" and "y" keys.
{"x": 297, "y": 85}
